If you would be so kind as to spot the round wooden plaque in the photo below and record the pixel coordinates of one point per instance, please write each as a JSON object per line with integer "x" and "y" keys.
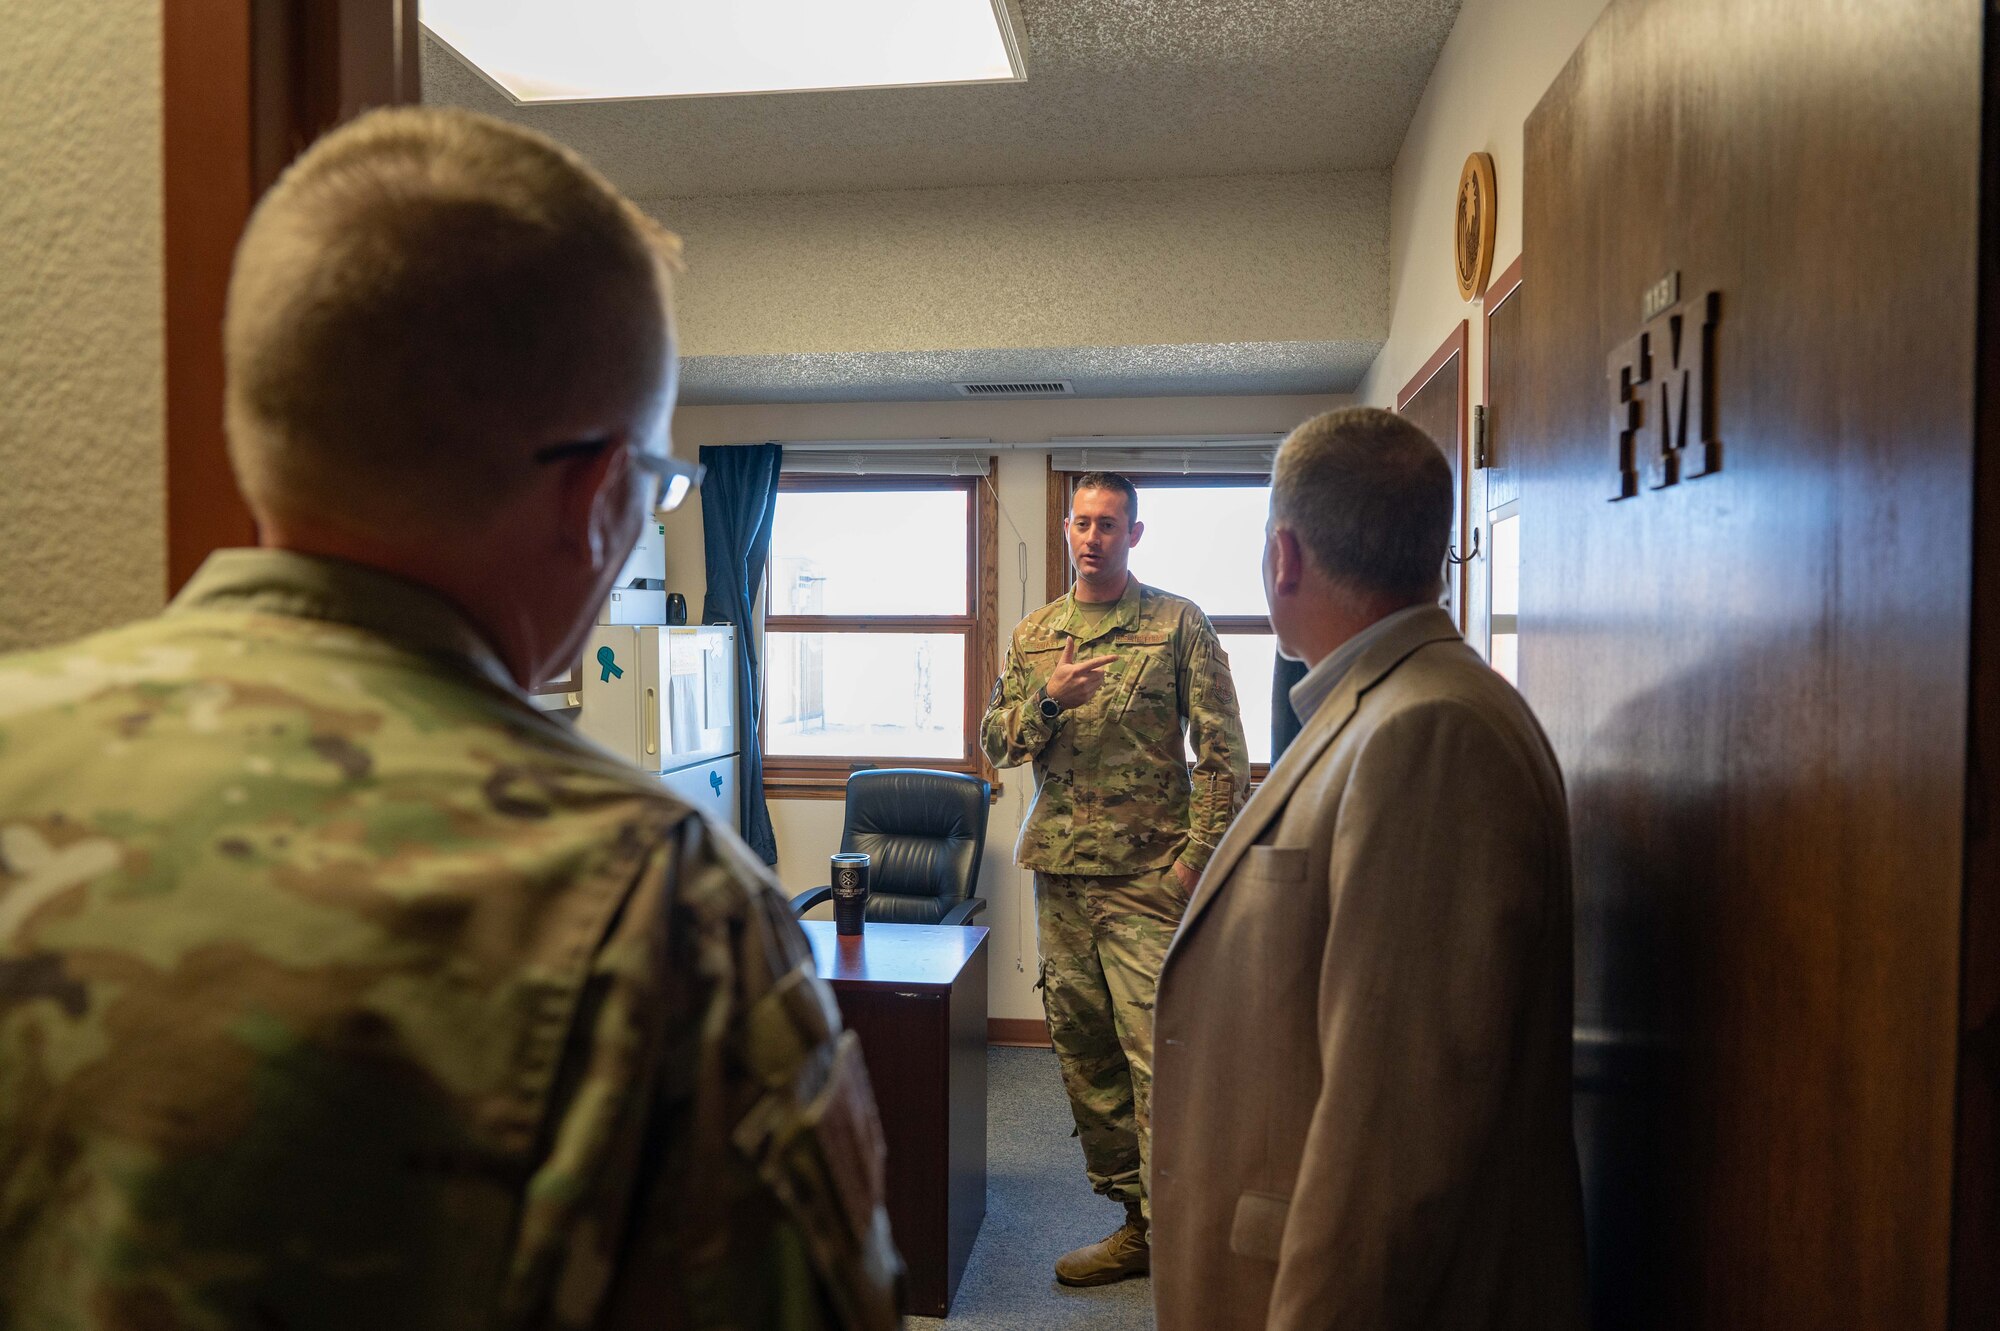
{"x": 1472, "y": 230}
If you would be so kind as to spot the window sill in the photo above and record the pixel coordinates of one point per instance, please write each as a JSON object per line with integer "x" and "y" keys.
{"x": 830, "y": 786}
{"x": 833, "y": 785}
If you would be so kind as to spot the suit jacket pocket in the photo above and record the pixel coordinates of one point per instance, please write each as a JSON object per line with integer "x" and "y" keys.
{"x": 1258, "y": 1231}
{"x": 1269, "y": 918}
{"x": 1280, "y": 866}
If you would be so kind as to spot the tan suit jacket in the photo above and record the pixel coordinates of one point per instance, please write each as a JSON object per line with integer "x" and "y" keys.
{"x": 1361, "y": 1114}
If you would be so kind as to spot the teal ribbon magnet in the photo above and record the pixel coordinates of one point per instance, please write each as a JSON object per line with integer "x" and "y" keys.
{"x": 609, "y": 660}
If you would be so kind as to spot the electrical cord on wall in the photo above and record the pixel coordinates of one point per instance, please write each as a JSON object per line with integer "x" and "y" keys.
{"x": 1020, "y": 545}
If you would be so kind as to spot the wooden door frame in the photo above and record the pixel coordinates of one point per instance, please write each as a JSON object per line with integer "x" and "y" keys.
{"x": 245, "y": 86}
{"x": 1479, "y": 504}
{"x": 1456, "y": 344}
{"x": 1498, "y": 291}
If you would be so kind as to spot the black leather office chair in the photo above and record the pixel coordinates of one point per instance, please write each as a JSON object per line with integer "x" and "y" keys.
{"x": 923, "y": 833}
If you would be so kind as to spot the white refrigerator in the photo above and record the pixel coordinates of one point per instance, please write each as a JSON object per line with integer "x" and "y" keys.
{"x": 664, "y": 698}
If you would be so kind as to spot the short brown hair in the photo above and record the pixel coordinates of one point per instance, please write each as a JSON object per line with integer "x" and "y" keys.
{"x": 1369, "y": 497}
{"x": 420, "y": 300}
{"x": 1116, "y": 484}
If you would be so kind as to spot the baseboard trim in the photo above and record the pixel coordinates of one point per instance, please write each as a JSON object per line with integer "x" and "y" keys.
{"x": 1018, "y": 1032}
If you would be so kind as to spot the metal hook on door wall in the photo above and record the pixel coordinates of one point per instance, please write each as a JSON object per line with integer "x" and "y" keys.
{"x": 1452, "y": 556}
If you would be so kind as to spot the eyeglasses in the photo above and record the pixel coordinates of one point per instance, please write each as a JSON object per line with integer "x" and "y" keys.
{"x": 673, "y": 480}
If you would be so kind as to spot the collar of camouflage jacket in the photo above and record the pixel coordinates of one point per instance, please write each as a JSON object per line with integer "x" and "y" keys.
{"x": 1124, "y": 617}
{"x": 283, "y": 582}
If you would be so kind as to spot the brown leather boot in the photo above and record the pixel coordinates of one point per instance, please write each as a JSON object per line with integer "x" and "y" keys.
{"x": 1117, "y": 1256}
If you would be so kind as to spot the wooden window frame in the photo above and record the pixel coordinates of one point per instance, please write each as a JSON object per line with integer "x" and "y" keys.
{"x": 1062, "y": 488}
{"x": 817, "y": 776}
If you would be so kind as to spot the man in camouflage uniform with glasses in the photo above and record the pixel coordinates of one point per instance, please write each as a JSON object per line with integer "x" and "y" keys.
{"x": 339, "y": 986}
{"x": 1099, "y": 687}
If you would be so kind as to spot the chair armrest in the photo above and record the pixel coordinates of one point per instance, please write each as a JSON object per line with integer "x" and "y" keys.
{"x": 809, "y": 898}
{"x": 963, "y": 912}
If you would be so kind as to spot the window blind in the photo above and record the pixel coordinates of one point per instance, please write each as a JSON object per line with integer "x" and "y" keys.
{"x": 884, "y": 462}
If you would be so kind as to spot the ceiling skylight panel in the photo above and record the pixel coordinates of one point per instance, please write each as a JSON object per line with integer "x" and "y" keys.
{"x": 539, "y": 51}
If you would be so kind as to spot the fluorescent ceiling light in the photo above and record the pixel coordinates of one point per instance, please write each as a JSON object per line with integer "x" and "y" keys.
{"x": 603, "y": 50}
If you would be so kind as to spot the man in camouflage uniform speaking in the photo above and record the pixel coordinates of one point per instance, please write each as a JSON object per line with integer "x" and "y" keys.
{"x": 339, "y": 987}
{"x": 1098, "y": 688}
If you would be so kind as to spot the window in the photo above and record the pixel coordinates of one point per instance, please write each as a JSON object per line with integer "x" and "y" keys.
{"x": 876, "y": 650}
{"x": 1204, "y": 540}
{"x": 1504, "y": 564}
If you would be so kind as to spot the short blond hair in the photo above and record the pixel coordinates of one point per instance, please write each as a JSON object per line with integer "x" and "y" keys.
{"x": 1369, "y": 497}
{"x": 421, "y": 299}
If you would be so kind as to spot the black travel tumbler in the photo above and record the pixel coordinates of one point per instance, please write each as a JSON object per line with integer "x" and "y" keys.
{"x": 850, "y": 892}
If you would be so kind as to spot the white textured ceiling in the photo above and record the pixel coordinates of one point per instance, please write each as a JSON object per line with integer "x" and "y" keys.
{"x": 1116, "y": 89}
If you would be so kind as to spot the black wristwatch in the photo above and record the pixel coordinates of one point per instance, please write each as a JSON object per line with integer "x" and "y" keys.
{"x": 1049, "y": 708}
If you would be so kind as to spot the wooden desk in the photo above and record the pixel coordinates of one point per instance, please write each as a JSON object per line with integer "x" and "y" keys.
{"x": 915, "y": 995}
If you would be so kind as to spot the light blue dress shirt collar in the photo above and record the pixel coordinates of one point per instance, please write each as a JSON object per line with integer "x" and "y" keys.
{"x": 1310, "y": 692}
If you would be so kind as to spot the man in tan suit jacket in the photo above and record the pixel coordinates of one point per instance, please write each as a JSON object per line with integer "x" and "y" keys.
{"x": 1362, "y": 1097}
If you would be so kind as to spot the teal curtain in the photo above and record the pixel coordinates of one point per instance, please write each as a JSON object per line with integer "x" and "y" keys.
{"x": 739, "y": 499}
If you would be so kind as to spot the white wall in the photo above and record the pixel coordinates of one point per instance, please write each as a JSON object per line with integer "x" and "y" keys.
{"x": 1116, "y": 263}
{"x": 82, "y": 378}
{"x": 1499, "y": 60}
{"x": 809, "y": 830}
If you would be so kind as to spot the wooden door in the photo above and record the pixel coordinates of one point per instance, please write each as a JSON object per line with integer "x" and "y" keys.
{"x": 245, "y": 86}
{"x": 1435, "y": 399}
{"x": 1756, "y": 676}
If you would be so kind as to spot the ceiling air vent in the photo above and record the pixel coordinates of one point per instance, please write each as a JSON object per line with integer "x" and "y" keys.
{"x": 1033, "y": 388}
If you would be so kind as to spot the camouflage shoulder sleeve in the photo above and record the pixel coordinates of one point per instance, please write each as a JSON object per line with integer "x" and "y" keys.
{"x": 1215, "y": 735}
{"x": 716, "y": 1160}
{"x": 1014, "y": 729}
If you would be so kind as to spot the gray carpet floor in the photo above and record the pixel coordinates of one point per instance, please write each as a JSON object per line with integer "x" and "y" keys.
{"x": 1038, "y": 1206}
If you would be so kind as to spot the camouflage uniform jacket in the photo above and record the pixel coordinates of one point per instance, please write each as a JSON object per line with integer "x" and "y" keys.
{"x": 340, "y": 988}
{"x": 1112, "y": 790}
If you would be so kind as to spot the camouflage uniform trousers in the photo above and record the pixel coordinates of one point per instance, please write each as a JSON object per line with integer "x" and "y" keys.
{"x": 1102, "y": 942}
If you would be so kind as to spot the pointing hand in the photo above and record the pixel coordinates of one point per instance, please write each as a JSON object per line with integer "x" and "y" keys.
{"x": 1073, "y": 683}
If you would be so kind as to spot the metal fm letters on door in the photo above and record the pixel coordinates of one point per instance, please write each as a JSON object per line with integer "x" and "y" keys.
{"x": 1663, "y": 399}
